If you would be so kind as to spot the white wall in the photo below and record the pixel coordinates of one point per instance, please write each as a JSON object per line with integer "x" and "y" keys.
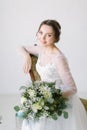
{"x": 19, "y": 21}
{"x": 9, "y": 121}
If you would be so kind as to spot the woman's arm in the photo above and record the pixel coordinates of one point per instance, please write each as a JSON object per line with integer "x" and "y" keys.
{"x": 66, "y": 76}
{"x": 25, "y": 51}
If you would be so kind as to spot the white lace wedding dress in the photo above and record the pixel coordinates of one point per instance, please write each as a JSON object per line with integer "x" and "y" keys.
{"x": 77, "y": 119}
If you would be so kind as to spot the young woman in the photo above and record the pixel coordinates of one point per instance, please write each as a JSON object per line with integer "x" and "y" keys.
{"x": 52, "y": 66}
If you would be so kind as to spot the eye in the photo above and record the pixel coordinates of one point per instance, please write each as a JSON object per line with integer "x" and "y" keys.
{"x": 49, "y": 35}
{"x": 40, "y": 32}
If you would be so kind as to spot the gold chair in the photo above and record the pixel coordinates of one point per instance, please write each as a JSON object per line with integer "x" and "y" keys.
{"x": 33, "y": 73}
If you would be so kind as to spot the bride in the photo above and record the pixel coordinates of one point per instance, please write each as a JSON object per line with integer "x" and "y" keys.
{"x": 52, "y": 66}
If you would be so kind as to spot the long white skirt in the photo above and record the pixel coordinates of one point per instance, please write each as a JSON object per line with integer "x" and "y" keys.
{"x": 77, "y": 119}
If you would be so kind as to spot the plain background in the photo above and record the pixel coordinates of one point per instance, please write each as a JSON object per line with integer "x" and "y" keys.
{"x": 19, "y": 22}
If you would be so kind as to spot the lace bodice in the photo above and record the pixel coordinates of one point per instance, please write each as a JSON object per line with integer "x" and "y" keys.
{"x": 57, "y": 71}
{"x": 48, "y": 72}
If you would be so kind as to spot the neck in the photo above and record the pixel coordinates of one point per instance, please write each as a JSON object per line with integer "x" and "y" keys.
{"x": 49, "y": 49}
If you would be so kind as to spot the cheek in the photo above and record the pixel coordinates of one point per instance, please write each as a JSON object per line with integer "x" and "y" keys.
{"x": 54, "y": 39}
{"x": 38, "y": 36}
{"x": 51, "y": 39}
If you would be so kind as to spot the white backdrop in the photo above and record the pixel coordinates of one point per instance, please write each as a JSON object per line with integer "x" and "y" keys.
{"x": 19, "y": 21}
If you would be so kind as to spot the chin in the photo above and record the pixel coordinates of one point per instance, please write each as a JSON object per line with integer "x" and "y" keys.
{"x": 42, "y": 44}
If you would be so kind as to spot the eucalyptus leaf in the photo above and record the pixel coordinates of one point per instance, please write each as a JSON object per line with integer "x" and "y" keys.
{"x": 46, "y": 108}
{"x": 23, "y": 87}
{"x": 59, "y": 113}
{"x": 55, "y": 116}
{"x": 50, "y": 100}
{"x": 16, "y": 108}
{"x": 65, "y": 114}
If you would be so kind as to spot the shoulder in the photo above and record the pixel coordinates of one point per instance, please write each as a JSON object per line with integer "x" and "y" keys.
{"x": 60, "y": 56}
{"x": 61, "y": 59}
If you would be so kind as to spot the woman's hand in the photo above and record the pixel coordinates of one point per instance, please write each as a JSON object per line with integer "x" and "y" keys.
{"x": 27, "y": 64}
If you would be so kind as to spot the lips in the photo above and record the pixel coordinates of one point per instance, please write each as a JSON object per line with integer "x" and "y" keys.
{"x": 43, "y": 42}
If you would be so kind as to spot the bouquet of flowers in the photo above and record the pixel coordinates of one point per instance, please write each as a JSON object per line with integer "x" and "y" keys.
{"x": 41, "y": 99}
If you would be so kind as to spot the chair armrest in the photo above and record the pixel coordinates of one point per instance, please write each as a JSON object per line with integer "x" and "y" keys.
{"x": 33, "y": 72}
{"x": 84, "y": 101}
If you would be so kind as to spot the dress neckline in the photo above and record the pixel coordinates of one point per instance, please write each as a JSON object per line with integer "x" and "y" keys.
{"x": 49, "y": 64}
{"x": 45, "y": 65}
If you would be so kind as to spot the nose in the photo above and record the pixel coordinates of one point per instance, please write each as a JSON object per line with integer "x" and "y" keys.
{"x": 43, "y": 37}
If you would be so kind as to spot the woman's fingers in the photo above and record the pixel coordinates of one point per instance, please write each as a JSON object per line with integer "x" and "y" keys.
{"x": 26, "y": 68}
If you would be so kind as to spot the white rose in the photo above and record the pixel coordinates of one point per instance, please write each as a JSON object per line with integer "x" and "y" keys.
{"x": 23, "y": 99}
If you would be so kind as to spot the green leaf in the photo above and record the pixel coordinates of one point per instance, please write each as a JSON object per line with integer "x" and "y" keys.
{"x": 60, "y": 113}
{"x": 50, "y": 100}
{"x": 46, "y": 107}
{"x": 55, "y": 116}
{"x": 23, "y": 87}
{"x": 16, "y": 108}
{"x": 65, "y": 114}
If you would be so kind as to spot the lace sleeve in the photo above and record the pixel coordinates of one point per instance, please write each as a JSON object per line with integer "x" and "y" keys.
{"x": 66, "y": 76}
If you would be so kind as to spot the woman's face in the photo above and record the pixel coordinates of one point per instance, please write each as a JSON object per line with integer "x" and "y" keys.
{"x": 46, "y": 35}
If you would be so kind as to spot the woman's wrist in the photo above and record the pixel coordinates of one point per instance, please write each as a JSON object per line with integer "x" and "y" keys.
{"x": 27, "y": 56}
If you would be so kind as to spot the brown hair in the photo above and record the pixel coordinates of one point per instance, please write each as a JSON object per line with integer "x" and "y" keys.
{"x": 56, "y": 27}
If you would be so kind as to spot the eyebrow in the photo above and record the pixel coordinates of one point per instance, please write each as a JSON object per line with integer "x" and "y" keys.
{"x": 49, "y": 33}
{"x": 46, "y": 33}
